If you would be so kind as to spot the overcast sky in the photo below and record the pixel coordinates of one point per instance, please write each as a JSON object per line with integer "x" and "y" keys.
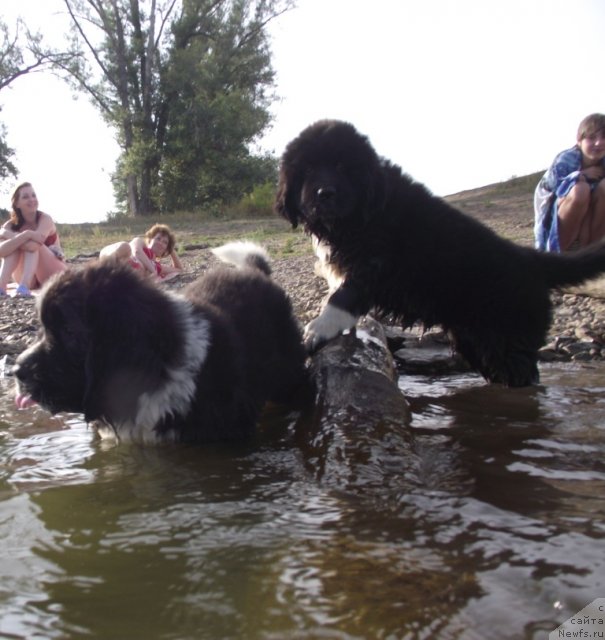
{"x": 460, "y": 93}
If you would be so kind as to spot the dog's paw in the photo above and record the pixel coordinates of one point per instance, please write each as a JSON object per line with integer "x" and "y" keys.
{"x": 331, "y": 322}
{"x": 313, "y": 339}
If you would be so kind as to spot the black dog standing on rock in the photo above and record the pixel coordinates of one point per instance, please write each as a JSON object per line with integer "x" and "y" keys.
{"x": 390, "y": 244}
{"x": 146, "y": 365}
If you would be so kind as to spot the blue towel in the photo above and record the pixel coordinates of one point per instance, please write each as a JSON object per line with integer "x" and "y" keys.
{"x": 556, "y": 183}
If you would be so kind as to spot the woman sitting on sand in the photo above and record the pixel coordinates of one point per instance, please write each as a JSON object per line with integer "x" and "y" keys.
{"x": 30, "y": 251}
{"x": 146, "y": 253}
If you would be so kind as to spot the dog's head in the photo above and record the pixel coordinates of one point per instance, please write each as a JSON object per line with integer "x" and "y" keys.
{"x": 329, "y": 174}
{"x": 103, "y": 343}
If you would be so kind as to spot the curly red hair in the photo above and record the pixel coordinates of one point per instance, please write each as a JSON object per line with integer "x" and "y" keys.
{"x": 164, "y": 230}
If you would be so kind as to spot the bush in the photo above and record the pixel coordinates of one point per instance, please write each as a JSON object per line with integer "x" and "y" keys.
{"x": 258, "y": 203}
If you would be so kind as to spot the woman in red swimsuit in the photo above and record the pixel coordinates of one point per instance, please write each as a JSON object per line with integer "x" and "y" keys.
{"x": 29, "y": 244}
{"x": 146, "y": 253}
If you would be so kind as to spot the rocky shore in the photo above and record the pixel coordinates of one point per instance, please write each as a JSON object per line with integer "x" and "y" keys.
{"x": 577, "y": 331}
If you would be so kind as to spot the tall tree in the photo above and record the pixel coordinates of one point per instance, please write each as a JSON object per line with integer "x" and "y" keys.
{"x": 21, "y": 52}
{"x": 186, "y": 85}
{"x": 7, "y": 168}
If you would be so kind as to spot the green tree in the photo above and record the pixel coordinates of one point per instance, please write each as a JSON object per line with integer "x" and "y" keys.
{"x": 186, "y": 85}
{"x": 21, "y": 52}
{"x": 7, "y": 168}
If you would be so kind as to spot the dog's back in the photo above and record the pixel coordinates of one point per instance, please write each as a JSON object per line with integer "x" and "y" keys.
{"x": 244, "y": 254}
{"x": 260, "y": 316}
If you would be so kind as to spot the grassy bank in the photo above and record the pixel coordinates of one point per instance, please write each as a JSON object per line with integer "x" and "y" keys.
{"x": 504, "y": 206}
{"x": 190, "y": 230}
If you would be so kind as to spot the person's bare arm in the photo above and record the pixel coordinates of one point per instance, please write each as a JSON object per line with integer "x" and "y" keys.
{"x": 171, "y": 271}
{"x": 10, "y": 240}
{"x": 137, "y": 245}
{"x": 176, "y": 262}
{"x": 45, "y": 227}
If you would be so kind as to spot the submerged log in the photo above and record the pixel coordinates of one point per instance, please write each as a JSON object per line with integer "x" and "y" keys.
{"x": 356, "y": 433}
{"x": 357, "y": 371}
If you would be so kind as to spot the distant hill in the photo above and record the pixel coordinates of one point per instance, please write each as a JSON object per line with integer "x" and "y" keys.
{"x": 507, "y": 207}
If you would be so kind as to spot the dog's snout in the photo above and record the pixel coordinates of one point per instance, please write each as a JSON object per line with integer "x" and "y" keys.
{"x": 25, "y": 366}
{"x": 326, "y": 193}
{"x": 19, "y": 371}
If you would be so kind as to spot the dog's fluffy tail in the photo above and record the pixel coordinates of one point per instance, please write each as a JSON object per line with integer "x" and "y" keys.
{"x": 244, "y": 254}
{"x": 564, "y": 269}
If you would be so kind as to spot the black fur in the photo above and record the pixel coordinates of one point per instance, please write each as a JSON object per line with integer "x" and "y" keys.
{"x": 122, "y": 351}
{"x": 408, "y": 253}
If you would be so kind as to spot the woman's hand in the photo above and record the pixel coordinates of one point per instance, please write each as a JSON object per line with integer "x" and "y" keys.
{"x": 33, "y": 235}
{"x": 594, "y": 173}
{"x": 33, "y": 240}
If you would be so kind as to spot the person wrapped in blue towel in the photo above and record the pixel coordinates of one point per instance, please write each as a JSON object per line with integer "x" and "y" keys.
{"x": 569, "y": 201}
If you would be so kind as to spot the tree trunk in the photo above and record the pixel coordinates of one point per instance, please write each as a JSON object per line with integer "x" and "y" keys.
{"x": 132, "y": 194}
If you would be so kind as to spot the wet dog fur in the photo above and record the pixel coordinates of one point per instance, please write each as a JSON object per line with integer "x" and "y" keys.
{"x": 389, "y": 244}
{"x": 143, "y": 364}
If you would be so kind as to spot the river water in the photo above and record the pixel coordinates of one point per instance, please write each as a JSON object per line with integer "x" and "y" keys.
{"x": 492, "y": 524}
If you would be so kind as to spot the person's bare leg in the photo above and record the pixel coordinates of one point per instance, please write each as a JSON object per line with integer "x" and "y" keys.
{"x": 48, "y": 264}
{"x": 585, "y": 235}
{"x": 597, "y": 218}
{"x": 30, "y": 265}
{"x": 9, "y": 265}
{"x": 117, "y": 250}
{"x": 573, "y": 209}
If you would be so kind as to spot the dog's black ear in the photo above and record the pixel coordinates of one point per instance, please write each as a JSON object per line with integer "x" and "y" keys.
{"x": 285, "y": 199}
{"x": 133, "y": 339}
{"x": 374, "y": 191}
{"x": 113, "y": 387}
{"x": 102, "y": 372}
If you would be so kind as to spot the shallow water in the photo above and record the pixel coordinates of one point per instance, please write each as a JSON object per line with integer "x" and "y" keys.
{"x": 493, "y": 525}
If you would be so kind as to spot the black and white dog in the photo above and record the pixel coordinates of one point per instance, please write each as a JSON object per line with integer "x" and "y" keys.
{"x": 146, "y": 365}
{"x": 388, "y": 243}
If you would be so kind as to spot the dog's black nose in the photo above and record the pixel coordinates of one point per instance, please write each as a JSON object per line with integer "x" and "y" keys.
{"x": 326, "y": 193}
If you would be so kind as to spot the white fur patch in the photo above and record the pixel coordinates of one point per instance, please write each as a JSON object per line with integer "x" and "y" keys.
{"x": 329, "y": 323}
{"x": 237, "y": 252}
{"x": 175, "y": 397}
{"x": 323, "y": 268}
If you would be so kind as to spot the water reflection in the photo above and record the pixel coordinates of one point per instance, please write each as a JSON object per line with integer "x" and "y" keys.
{"x": 490, "y": 524}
